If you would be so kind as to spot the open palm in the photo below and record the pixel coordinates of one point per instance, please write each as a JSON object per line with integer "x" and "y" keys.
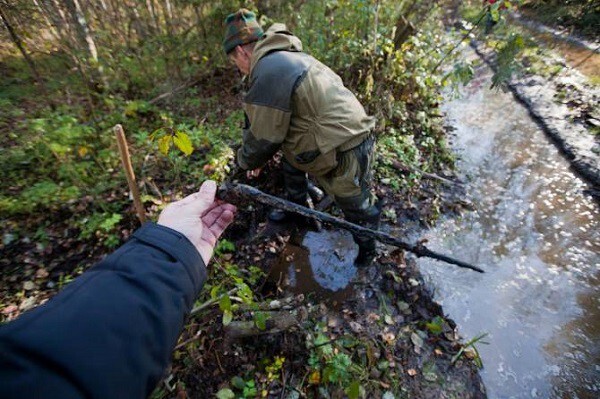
{"x": 200, "y": 218}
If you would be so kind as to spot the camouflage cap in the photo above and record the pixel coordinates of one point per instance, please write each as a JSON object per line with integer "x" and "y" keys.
{"x": 241, "y": 28}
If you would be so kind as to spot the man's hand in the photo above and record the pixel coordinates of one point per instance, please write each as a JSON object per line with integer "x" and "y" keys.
{"x": 200, "y": 218}
{"x": 253, "y": 174}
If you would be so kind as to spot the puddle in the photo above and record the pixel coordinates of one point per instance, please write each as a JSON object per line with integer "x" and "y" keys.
{"x": 322, "y": 266}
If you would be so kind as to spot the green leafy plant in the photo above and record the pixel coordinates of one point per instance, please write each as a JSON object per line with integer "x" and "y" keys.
{"x": 506, "y": 60}
{"x": 166, "y": 137}
{"x": 101, "y": 226}
{"x": 471, "y": 344}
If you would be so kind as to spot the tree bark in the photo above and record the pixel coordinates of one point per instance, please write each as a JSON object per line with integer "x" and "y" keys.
{"x": 83, "y": 29}
{"x": 85, "y": 39}
{"x": 241, "y": 193}
{"x": 19, "y": 43}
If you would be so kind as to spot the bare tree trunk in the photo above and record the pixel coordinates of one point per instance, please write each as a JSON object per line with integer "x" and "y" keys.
{"x": 85, "y": 36}
{"x": 19, "y": 43}
{"x": 61, "y": 21}
{"x": 138, "y": 23}
{"x": 375, "y": 27}
{"x": 152, "y": 14}
{"x": 169, "y": 16}
{"x": 84, "y": 29}
{"x": 46, "y": 15}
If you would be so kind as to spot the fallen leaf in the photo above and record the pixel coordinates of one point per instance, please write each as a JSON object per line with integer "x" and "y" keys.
{"x": 373, "y": 317}
{"x": 225, "y": 393}
{"x": 333, "y": 322}
{"x": 356, "y": 327}
{"x": 388, "y": 338}
{"x": 41, "y": 273}
{"x": 314, "y": 378}
{"x": 9, "y": 309}
{"x": 27, "y": 303}
{"x": 416, "y": 340}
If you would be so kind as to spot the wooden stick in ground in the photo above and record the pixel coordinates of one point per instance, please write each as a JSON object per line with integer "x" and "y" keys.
{"x": 126, "y": 161}
{"x": 237, "y": 193}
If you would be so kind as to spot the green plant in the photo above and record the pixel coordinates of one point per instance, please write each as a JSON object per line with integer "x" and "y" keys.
{"x": 506, "y": 60}
{"x": 40, "y": 196}
{"x": 330, "y": 362}
{"x": 166, "y": 137}
{"x": 224, "y": 246}
{"x": 101, "y": 226}
{"x": 471, "y": 344}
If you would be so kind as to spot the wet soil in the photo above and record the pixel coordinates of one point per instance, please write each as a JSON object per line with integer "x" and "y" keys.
{"x": 581, "y": 54}
{"x": 385, "y": 309}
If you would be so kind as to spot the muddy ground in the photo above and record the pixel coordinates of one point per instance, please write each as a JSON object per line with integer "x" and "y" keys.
{"x": 384, "y": 319}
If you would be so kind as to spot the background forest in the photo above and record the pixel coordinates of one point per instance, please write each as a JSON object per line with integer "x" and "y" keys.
{"x": 72, "y": 69}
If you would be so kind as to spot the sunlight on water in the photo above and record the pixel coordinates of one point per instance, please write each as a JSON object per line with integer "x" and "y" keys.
{"x": 537, "y": 236}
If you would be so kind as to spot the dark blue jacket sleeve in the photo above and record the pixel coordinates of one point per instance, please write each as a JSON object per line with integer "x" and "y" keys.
{"x": 110, "y": 333}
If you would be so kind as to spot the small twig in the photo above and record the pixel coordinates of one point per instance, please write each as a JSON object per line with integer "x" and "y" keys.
{"x": 284, "y": 387}
{"x": 219, "y": 362}
{"x": 405, "y": 168}
{"x": 190, "y": 340}
{"x": 465, "y": 36}
{"x": 126, "y": 161}
{"x": 211, "y": 302}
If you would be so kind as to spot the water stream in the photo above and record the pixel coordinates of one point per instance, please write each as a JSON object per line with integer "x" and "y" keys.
{"x": 537, "y": 236}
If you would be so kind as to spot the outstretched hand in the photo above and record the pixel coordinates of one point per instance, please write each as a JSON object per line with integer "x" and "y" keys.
{"x": 200, "y": 218}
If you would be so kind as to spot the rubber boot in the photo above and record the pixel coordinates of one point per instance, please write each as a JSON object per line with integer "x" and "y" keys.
{"x": 367, "y": 246}
{"x": 296, "y": 189}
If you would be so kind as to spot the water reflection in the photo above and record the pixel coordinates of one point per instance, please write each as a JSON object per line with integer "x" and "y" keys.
{"x": 536, "y": 234}
{"x": 323, "y": 266}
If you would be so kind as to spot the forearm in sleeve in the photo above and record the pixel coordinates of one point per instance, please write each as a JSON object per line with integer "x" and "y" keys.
{"x": 265, "y": 131}
{"x": 110, "y": 333}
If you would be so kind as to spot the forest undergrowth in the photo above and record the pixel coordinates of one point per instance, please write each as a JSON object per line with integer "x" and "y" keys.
{"x": 64, "y": 202}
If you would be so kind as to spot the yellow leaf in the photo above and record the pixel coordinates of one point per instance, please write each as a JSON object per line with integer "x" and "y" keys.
{"x": 314, "y": 378}
{"x": 82, "y": 151}
{"x": 164, "y": 143}
{"x": 183, "y": 142}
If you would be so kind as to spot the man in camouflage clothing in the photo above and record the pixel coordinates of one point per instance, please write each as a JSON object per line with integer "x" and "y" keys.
{"x": 296, "y": 104}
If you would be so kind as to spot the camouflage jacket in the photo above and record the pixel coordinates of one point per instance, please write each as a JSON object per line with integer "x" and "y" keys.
{"x": 297, "y": 104}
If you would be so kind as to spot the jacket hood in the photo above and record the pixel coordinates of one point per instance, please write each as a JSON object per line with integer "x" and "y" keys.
{"x": 276, "y": 38}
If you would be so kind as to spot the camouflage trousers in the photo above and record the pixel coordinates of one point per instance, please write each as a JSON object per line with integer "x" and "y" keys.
{"x": 349, "y": 184}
